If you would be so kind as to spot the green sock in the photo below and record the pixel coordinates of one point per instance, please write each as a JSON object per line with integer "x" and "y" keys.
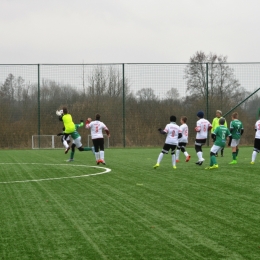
{"x": 211, "y": 161}
{"x": 87, "y": 148}
{"x": 234, "y": 156}
{"x": 237, "y": 152}
{"x": 72, "y": 155}
{"x": 214, "y": 160}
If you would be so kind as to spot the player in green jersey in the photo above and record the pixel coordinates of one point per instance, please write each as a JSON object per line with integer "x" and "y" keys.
{"x": 76, "y": 141}
{"x": 215, "y": 124}
{"x": 236, "y": 129}
{"x": 219, "y": 137}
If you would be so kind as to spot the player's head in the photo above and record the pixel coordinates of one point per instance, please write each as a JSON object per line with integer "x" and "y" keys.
{"x": 97, "y": 116}
{"x": 184, "y": 119}
{"x": 65, "y": 110}
{"x": 235, "y": 115}
{"x": 172, "y": 118}
{"x": 222, "y": 121}
{"x": 200, "y": 114}
{"x": 218, "y": 113}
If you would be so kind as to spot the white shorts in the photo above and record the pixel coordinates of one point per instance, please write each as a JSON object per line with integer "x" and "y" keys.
{"x": 77, "y": 142}
{"x": 215, "y": 148}
{"x": 235, "y": 142}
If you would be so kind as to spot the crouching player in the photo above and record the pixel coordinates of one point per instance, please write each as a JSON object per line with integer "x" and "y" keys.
{"x": 219, "y": 137}
{"x": 76, "y": 141}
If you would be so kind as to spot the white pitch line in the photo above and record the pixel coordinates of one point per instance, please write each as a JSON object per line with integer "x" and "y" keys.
{"x": 60, "y": 178}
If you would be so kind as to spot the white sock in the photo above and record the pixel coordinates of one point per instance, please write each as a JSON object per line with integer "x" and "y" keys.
{"x": 186, "y": 153}
{"x": 102, "y": 155}
{"x": 254, "y": 154}
{"x": 97, "y": 156}
{"x": 199, "y": 155}
{"x": 177, "y": 154}
{"x": 65, "y": 144}
{"x": 160, "y": 158}
{"x": 173, "y": 160}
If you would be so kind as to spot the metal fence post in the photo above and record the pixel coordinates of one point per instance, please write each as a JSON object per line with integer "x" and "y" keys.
{"x": 123, "y": 81}
{"x": 39, "y": 107}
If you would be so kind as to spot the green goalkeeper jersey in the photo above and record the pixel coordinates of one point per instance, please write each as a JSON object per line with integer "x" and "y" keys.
{"x": 235, "y": 128}
{"x": 221, "y": 133}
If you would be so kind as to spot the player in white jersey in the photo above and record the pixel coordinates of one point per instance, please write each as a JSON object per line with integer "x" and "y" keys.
{"x": 173, "y": 133}
{"x": 182, "y": 142}
{"x": 257, "y": 141}
{"x": 202, "y": 128}
{"x": 96, "y": 127}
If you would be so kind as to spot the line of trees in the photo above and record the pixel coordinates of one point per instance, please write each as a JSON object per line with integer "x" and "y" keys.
{"x": 22, "y": 114}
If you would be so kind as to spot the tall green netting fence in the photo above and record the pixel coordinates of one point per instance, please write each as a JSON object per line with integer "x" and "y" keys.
{"x": 134, "y": 100}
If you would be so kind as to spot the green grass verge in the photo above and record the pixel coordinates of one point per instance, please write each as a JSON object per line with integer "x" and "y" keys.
{"x": 132, "y": 212}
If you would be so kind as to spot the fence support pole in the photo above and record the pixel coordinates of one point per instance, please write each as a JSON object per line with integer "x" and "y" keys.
{"x": 207, "y": 95}
{"x": 123, "y": 81}
{"x": 39, "y": 107}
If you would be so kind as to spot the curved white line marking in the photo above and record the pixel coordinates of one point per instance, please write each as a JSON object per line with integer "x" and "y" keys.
{"x": 106, "y": 170}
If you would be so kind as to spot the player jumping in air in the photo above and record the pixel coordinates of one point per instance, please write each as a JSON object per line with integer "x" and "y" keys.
{"x": 97, "y": 128}
{"x": 76, "y": 141}
{"x": 68, "y": 125}
{"x": 173, "y": 133}
{"x": 202, "y": 128}
{"x": 182, "y": 142}
{"x": 236, "y": 129}
{"x": 219, "y": 137}
{"x": 257, "y": 141}
{"x": 215, "y": 124}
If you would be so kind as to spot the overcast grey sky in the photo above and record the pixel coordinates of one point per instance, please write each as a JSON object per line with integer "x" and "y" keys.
{"x": 127, "y": 31}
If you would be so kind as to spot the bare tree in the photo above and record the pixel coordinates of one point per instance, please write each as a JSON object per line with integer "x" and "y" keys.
{"x": 146, "y": 94}
{"x": 173, "y": 94}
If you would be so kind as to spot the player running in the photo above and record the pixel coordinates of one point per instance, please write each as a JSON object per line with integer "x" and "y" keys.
{"x": 97, "y": 128}
{"x": 173, "y": 133}
{"x": 202, "y": 128}
{"x": 219, "y": 137}
{"x": 236, "y": 129}
{"x": 182, "y": 142}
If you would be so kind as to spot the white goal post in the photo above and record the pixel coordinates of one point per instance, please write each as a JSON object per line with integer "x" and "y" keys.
{"x": 106, "y": 141}
{"x": 46, "y": 142}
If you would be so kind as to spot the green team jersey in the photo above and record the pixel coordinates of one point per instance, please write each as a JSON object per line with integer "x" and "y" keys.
{"x": 221, "y": 133}
{"x": 235, "y": 128}
{"x": 75, "y": 134}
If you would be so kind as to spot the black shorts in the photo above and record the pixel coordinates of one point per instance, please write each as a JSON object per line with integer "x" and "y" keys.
{"x": 98, "y": 144}
{"x": 200, "y": 142}
{"x": 181, "y": 144}
{"x": 257, "y": 144}
{"x": 167, "y": 147}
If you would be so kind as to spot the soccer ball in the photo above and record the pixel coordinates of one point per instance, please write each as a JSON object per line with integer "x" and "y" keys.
{"x": 59, "y": 112}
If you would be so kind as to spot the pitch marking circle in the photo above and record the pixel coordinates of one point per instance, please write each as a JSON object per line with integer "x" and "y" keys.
{"x": 105, "y": 170}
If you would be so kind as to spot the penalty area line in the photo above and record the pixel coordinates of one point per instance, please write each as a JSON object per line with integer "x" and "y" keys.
{"x": 105, "y": 170}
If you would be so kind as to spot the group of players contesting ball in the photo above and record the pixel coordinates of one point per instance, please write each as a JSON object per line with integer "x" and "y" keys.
{"x": 176, "y": 137}
{"x": 71, "y": 130}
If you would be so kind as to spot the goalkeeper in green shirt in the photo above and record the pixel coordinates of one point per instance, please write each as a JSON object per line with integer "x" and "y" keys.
{"x": 219, "y": 137}
{"x": 215, "y": 124}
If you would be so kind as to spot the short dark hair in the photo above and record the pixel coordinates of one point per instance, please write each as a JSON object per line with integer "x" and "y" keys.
{"x": 235, "y": 115}
{"x": 173, "y": 118}
{"x": 65, "y": 110}
{"x": 97, "y": 116}
{"x": 222, "y": 121}
{"x": 184, "y": 119}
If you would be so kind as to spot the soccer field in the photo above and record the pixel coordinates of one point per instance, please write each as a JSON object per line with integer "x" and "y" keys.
{"x": 51, "y": 209}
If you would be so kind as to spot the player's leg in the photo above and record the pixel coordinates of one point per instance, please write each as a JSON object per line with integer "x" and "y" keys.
{"x": 96, "y": 146}
{"x": 222, "y": 151}
{"x": 234, "y": 146}
{"x": 102, "y": 151}
{"x": 65, "y": 143}
{"x": 80, "y": 146}
{"x": 72, "y": 152}
{"x": 177, "y": 152}
{"x": 256, "y": 150}
{"x": 165, "y": 150}
{"x": 183, "y": 149}
{"x": 198, "y": 148}
{"x": 173, "y": 147}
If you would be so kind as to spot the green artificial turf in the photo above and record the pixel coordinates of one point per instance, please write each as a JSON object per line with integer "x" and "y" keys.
{"x": 52, "y": 209}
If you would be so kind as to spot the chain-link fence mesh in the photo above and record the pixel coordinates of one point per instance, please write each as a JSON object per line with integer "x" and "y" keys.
{"x": 134, "y": 100}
